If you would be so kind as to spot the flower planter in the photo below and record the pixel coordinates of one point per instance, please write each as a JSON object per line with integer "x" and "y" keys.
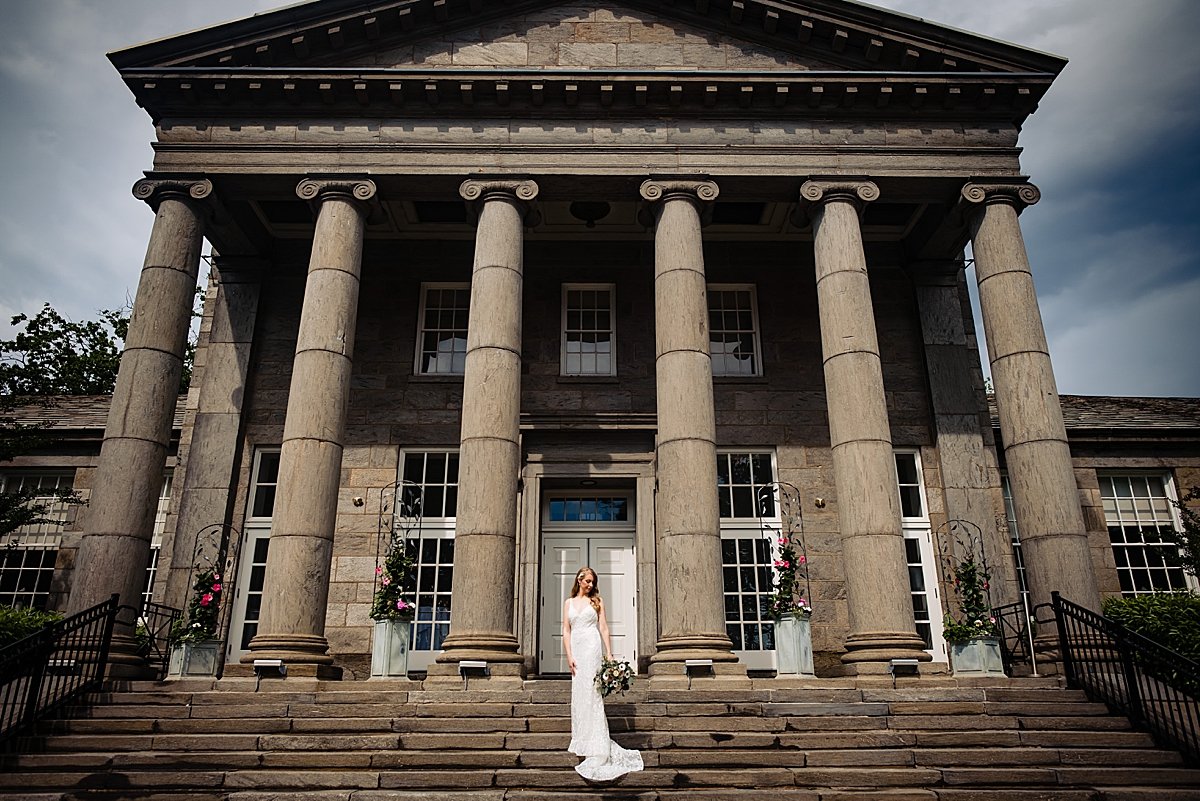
{"x": 194, "y": 659}
{"x": 389, "y": 649}
{"x": 976, "y": 658}
{"x": 793, "y": 646}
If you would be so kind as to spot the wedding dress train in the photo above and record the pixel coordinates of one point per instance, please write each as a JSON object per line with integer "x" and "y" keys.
{"x": 604, "y": 760}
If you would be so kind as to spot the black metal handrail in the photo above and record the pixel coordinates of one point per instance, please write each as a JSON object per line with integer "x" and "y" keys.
{"x": 154, "y": 635}
{"x": 1013, "y": 622}
{"x": 1149, "y": 683}
{"x": 54, "y": 667}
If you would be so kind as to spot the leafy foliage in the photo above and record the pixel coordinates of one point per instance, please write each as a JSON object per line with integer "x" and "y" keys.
{"x": 1188, "y": 556}
{"x": 790, "y": 568}
{"x": 1171, "y": 619}
{"x": 27, "y": 507}
{"x": 203, "y": 611}
{"x": 395, "y": 579}
{"x": 52, "y": 355}
{"x": 975, "y": 621}
{"x": 17, "y": 624}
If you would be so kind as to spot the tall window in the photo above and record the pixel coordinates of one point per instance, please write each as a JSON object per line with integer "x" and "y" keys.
{"x": 442, "y": 329}
{"x": 918, "y": 551}
{"x": 432, "y": 544}
{"x": 589, "y": 330}
{"x": 1010, "y": 514}
{"x": 1141, "y": 527}
{"x": 27, "y": 557}
{"x": 746, "y": 552}
{"x": 160, "y": 526}
{"x": 733, "y": 330}
{"x": 252, "y": 558}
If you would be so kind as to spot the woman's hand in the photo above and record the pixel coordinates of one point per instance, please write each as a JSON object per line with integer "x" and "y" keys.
{"x": 571, "y": 664}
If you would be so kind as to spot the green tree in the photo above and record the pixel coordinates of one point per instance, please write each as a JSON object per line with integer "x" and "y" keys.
{"x": 1188, "y": 556}
{"x": 51, "y": 355}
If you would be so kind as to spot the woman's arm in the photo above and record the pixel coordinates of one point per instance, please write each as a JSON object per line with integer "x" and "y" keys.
{"x": 604, "y": 632}
{"x": 566, "y": 632}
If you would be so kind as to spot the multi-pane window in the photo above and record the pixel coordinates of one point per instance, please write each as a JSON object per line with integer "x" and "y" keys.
{"x": 160, "y": 526}
{"x": 442, "y": 330}
{"x": 434, "y": 490}
{"x": 748, "y": 510}
{"x": 918, "y": 550}
{"x": 1141, "y": 527}
{"x": 27, "y": 557}
{"x": 256, "y": 542}
{"x": 589, "y": 333}
{"x": 733, "y": 330}
{"x": 1010, "y": 514}
{"x": 592, "y": 509}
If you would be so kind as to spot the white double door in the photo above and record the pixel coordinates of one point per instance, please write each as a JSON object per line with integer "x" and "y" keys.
{"x": 612, "y": 557}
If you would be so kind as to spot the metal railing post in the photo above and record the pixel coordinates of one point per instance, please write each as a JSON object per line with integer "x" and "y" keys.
{"x": 1064, "y": 645}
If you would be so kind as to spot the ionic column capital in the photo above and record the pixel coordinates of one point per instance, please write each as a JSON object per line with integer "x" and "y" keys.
{"x": 858, "y": 191}
{"x": 520, "y": 192}
{"x": 657, "y": 191}
{"x": 318, "y": 190}
{"x": 1018, "y": 195}
{"x": 155, "y": 189}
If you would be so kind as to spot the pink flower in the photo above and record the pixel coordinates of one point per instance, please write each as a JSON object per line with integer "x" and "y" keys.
{"x": 783, "y": 540}
{"x": 401, "y": 605}
{"x": 385, "y": 581}
{"x": 786, "y": 563}
{"x": 216, "y": 576}
{"x": 803, "y": 559}
{"x": 206, "y": 599}
{"x": 378, "y": 570}
{"x": 217, "y": 587}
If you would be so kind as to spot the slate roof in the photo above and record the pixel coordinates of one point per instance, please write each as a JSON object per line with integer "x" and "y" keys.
{"x": 79, "y": 412}
{"x": 1093, "y": 412}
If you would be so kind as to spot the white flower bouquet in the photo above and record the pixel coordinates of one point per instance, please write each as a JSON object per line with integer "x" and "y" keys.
{"x": 613, "y": 676}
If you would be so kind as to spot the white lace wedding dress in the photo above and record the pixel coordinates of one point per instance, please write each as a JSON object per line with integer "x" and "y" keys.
{"x": 604, "y": 760}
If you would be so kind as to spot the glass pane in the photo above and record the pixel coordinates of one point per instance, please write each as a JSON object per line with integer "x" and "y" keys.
{"x": 906, "y": 468}
{"x": 730, "y": 576}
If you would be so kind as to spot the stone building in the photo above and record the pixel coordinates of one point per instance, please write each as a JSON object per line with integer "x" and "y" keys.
{"x": 595, "y": 276}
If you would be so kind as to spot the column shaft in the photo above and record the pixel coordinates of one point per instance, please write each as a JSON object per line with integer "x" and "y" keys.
{"x": 482, "y": 623}
{"x": 881, "y": 619}
{"x": 292, "y": 624}
{"x": 687, "y": 519}
{"x": 1045, "y": 495}
{"x": 115, "y": 548}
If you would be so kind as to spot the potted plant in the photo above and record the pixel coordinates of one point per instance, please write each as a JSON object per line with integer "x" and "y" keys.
{"x": 195, "y": 647}
{"x": 973, "y": 636}
{"x": 789, "y": 606}
{"x": 392, "y": 611}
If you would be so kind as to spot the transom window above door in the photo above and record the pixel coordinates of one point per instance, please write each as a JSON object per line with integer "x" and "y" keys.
{"x": 590, "y": 509}
{"x": 589, "y": 330}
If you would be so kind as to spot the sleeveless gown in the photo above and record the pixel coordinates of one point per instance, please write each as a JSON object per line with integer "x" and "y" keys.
{"x": 604, "y": 760}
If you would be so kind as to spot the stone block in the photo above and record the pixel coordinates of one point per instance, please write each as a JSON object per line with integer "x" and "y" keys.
{"x": 587, "y": 55}
{"x": 654, "y": 55}
{"x": 491, "y": 54}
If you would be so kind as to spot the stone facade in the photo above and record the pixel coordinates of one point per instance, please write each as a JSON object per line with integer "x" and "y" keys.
{"x": 828, "y": 166}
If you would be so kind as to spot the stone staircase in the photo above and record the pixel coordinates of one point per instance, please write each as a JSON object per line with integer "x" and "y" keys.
{"x": 928, "y": 739}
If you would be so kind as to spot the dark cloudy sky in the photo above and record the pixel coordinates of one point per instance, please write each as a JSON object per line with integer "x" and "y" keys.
{"x": 1115, "y": 148}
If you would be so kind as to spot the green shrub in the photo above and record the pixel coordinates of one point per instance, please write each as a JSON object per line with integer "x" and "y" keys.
{"x": 17, "y": 624}
{"x": 1171, "y": 619}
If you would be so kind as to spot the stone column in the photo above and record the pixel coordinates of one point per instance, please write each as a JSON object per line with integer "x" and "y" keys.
{"x": 292, "y": 625}
{"x": 864, "y": 470}
{"x": 489, "y": 462}
{"x": 691, "y": 610}
{"x": 119, "y": 521}
{"x": 1045, "y": 497}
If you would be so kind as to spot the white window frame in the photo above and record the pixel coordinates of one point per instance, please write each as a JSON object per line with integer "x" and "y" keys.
{"x": 418, "y": 363}
{"x": 256, "y": 528}
{"x": 433, "y": 528}
{"x": 42, "y": 540}
{"x": 1171, "y": 498}
{"x": 918, "y": 529}
{"x": 611, "y": 289}
{"x": 160, "y": 526}
{"x": 752, "y": 528}
{"x": 756, "y": 333}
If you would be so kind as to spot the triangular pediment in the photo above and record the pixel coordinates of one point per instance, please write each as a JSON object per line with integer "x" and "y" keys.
{"x": 744, "y": 35}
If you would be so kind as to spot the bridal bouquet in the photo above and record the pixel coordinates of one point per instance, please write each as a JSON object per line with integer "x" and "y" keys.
{"x": 613, "y": 676}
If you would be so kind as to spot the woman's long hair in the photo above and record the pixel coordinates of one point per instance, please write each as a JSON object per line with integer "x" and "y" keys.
{"x": 594, "y": 594}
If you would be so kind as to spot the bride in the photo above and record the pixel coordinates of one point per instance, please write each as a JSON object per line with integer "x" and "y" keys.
{"x": 585, "y": 629}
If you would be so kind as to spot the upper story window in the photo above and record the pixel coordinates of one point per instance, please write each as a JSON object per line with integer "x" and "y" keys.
{"x": 1141, "y": 527}
{"x": 442, "y": 329}
{"x": 589, "y": 330}
{"x": 908, "y": 478}
{"x": 741, "y": 481}
{"x": 264, "y": 484}
{"x": 733, "y": 330}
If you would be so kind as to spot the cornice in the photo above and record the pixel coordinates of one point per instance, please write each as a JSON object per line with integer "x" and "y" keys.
{"x": 430, "y": 93}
